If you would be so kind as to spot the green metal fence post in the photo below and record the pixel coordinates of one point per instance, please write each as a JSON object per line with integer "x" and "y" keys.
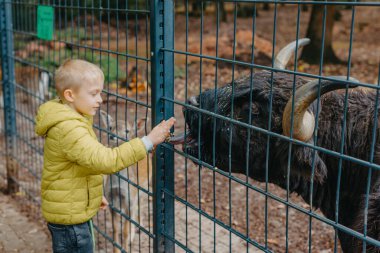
{"x": 169, "y": 112}
{"x": 8, "y": 77}
{"x": 162, "y": 22}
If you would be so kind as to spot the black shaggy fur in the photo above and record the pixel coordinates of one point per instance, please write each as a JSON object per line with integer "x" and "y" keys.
{"x": 357, "y": 144}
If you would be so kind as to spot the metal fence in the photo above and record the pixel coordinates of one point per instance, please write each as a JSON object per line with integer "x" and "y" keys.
{"x": 246, "y": 179}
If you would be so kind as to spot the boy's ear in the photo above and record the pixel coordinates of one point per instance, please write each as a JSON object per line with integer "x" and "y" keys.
{"x": 68, "y": 95}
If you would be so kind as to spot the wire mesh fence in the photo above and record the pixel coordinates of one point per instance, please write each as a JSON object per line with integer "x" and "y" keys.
{"x": 262, "y": 165}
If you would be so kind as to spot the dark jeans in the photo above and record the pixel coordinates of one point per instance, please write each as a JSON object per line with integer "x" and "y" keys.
{"x": 71, "y": 238}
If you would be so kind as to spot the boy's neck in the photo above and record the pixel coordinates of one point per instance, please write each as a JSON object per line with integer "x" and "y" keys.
{"x": 70, "y": 105}
{"x": 64, "y": 102}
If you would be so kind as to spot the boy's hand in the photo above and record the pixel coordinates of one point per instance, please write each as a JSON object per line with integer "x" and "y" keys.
{"x": 160, "y": 132}
{"x": 104, "y": 203}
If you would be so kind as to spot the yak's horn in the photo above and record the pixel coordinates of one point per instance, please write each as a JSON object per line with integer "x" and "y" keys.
{"x": 304, "y": 122}
{"x": 284, "y": 55}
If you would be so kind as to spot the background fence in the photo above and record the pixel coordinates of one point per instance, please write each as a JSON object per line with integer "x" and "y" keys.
{"x": 229, "y": 189}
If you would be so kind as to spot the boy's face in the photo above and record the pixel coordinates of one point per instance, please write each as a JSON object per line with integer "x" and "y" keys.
{"x": 87, "y": 99}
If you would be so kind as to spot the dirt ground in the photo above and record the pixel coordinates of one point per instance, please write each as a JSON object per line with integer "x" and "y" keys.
{"x": 246, "y": 211}
{"x": 18, "y": 233}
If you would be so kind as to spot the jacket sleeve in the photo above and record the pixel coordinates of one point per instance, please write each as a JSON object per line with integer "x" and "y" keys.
{"x": 80, "y": 147}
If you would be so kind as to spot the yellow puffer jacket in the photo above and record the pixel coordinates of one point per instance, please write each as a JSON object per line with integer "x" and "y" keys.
{"x": 74, "y": 161}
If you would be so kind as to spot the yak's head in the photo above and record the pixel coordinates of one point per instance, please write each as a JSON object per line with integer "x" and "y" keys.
{"x": 260, "y": 108}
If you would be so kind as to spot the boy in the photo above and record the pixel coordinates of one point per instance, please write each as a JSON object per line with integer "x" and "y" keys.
{"x": 74, "y": 160}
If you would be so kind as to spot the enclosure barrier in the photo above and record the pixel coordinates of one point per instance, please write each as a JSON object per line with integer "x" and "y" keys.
{"x": 228, "y": 186}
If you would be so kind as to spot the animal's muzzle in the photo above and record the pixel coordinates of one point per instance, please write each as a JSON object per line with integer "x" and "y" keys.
{"x": 177, "y": 139}
{"x": 182, "y": 138}
{"x": 193, "y": 101}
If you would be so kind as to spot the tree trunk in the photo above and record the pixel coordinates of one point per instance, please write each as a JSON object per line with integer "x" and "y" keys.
{"x": 311, "y": 53}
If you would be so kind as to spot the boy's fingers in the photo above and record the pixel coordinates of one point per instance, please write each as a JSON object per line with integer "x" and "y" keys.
{"x": 171, "y": 121}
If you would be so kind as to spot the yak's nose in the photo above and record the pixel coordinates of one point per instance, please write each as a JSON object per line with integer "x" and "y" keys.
{"x": 193, "y": 101}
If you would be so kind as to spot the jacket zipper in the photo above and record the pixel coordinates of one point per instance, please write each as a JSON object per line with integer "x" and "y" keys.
{"x": 88, "y": 193}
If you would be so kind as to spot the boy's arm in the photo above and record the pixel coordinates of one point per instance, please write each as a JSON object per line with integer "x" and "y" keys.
{"x": 80, "y": 147}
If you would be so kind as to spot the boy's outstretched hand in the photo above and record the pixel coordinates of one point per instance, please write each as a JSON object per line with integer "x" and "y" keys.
{"x": 160, "y": 132}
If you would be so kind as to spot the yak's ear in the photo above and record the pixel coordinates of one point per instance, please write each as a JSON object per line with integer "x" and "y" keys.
{"x": 302, "y": 157}
{"x": 302, "y": 163}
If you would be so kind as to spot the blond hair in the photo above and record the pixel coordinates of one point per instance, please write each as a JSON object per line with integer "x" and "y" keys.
{"x": 74, "y": 73}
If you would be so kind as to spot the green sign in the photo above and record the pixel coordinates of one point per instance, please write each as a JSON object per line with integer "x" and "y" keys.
{"x": 45, "y": 22}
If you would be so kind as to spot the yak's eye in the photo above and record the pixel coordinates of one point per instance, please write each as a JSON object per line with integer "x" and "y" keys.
{"x": 254, "y": 110}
